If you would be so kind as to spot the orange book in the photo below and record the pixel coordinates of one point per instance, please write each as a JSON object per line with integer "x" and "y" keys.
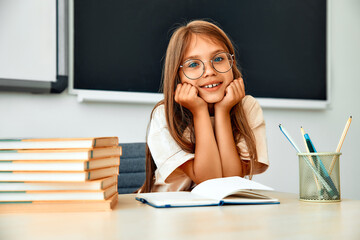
{"x": 61, "y": 206}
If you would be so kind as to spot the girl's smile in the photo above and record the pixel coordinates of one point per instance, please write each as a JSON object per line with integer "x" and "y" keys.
{"x": 211, "y": 86}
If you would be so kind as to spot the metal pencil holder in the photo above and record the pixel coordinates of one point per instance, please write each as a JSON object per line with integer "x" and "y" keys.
{"x": 319, "y": 177}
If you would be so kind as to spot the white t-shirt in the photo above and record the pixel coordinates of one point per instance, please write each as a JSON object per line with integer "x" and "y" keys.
{"x": 168, "y": 155}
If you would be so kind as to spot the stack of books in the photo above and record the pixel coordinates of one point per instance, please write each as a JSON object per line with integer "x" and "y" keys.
{"x": 73, "y": 174}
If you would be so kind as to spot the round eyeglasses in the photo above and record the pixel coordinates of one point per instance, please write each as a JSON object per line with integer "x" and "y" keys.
{"x": 195, "y": 68}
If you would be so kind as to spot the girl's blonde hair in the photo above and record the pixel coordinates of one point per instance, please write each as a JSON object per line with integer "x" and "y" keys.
{"x": 178, "y": 118}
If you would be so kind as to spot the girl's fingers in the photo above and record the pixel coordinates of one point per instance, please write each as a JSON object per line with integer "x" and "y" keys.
{"x": 185, "y": 93}
{"x": 193, "y": 91}
{"x": 242, "y": 83}
{"x": 230, "y": 90}
{"x": 235, "y": 87}
{"x": 187, "y": 88}
{"x": 239, "y": 85}
{"x": 178, "y": 89}
{"x": 242, "y": 86}
{"x": 177, "y": 92}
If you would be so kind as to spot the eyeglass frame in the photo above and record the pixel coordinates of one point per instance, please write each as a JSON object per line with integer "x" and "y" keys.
{"x": 212, "y": 64}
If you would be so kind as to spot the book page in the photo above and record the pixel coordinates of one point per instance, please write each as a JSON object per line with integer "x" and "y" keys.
{"x": 219, "y": 188}
{"x": 249, "y": 194}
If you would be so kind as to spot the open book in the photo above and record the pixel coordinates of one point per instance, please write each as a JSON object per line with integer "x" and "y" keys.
{"x": 213, "y": 192}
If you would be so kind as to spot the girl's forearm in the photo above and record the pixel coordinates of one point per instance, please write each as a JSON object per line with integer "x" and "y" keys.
{"x": 207, "y": 163}
{"x": 230, "y": 159}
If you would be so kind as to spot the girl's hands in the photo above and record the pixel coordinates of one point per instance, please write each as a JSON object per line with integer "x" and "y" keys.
{"x": 234, "y": 93}
{"x": 187, "y": 96}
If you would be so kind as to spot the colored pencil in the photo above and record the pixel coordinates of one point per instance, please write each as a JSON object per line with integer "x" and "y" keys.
{"x": 343, "y": 135}
{"x": 310, "y": 159}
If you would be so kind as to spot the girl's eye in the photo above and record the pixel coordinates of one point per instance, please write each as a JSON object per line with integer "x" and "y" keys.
{"x": 192, "y": 64}
{"x": 218, "y": 59}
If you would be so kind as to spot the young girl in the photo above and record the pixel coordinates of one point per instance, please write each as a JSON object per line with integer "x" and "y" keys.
{"x": 206, "y": 127}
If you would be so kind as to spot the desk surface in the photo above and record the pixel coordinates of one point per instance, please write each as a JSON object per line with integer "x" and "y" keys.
{"x": 292, "y": 219}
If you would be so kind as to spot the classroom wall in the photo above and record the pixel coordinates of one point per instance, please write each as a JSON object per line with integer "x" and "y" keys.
{"x": 44, "y": 115}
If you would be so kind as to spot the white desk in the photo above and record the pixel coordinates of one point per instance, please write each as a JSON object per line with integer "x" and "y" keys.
{"x": 292, "y": 219}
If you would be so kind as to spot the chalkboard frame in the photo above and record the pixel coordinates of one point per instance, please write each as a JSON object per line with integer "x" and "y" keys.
{"x": 152, "y": 98}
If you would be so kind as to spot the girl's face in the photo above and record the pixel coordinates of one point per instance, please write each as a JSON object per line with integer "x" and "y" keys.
{"x": 212, "y": 84}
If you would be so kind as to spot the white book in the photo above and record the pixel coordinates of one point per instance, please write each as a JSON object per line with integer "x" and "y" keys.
{"x": 58, "y": 143}
{"x": 213, "y": 192}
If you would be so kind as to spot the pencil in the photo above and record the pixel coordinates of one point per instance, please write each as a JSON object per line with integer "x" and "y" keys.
{"x": 282, "y": 129}
{"x": 343, "y": 135}
{"x": 303, "y": 134}
{"x": 310, "y": 159}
